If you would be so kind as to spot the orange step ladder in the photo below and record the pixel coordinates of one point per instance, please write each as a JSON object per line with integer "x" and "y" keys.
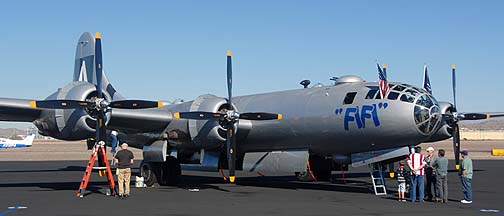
{"x": 99, "y": 148}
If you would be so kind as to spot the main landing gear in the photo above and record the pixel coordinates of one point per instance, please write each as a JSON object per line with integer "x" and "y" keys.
{"x": 164, "y": 173}
{"x": 319, "y": 169}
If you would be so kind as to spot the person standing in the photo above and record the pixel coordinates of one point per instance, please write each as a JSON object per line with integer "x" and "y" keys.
{"x": 430, "y": 175}
{"x": 416, "y": 163}
{"x": 114, "y": 141}
{"x": 466, "y": 174}
{"x": 124, "y": 160}
{"x": 441, "y": 166}
{"x": 401, "y": 181}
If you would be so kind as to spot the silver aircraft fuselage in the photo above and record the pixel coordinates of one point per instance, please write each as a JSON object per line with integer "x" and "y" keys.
{"x": 340, "y": 119}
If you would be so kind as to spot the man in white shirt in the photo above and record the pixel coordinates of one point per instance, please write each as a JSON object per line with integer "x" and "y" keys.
{"x": 416, "y": 163}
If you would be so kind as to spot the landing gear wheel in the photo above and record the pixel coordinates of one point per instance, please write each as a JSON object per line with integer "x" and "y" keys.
{"x": 148, "y": 171}
{"x": 170, "y": 172}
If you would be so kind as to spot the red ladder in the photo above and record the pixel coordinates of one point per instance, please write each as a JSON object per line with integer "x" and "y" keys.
{"x": 97, "y": 149}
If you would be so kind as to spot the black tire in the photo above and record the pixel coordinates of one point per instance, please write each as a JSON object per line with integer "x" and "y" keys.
{"x": 148, "y": 171}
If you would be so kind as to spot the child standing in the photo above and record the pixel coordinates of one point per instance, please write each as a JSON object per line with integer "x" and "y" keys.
{"x": 401, "y": 180}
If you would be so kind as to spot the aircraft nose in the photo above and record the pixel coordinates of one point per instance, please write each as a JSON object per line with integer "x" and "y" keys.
{"x": 427, "y": 114}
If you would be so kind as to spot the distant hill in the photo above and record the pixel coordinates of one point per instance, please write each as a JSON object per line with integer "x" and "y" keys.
{"x": 11, "y": 133}
{"x": 495, "y": 124}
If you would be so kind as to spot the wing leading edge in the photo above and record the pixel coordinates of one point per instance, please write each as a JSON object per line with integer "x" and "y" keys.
{"x": 18, "y": 110}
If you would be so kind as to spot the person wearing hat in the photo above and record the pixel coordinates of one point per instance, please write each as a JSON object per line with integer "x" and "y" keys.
{"x": 430, "y": 175}
{"x": 466, "y": 174}
{"x": 124, "y": 160}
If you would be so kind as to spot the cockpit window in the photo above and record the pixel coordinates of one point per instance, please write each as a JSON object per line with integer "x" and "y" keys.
{"x": 425, "y": 101}
{"x": 372, "y": 92}
{"x": 378, "y": 96}
{"x": 412, "y": 92}
{"x": 407, "y": 98}
{"x": 349, "y": 98}
{"x": 393, "y": 95}
{"x": 420, "y": 90}
{"x": 399, "y": 88}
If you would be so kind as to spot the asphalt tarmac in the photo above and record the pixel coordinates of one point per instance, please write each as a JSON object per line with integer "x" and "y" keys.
{"x": 49, "y": 188}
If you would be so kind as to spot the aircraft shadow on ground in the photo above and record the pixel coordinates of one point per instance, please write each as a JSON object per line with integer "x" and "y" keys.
{"x": 280, "y": 182}
{"x": 350, "y": 182}
{"x": 68, "y": 168}
{"x": 215, "y": 183}
{"x": 94, "y": 187}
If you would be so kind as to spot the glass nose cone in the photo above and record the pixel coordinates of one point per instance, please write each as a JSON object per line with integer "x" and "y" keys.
{"x": 427, "y": 114}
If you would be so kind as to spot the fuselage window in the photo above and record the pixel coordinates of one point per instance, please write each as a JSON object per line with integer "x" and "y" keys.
{"x": 393, "y": 95}
{"x": 349, "y": 98}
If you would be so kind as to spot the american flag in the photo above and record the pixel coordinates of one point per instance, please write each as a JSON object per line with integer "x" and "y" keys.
{"x": 382, "y": 74}
{"x": 426, "y": 81}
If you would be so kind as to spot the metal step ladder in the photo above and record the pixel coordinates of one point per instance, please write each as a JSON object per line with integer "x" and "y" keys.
{"x": 378, "y": 180}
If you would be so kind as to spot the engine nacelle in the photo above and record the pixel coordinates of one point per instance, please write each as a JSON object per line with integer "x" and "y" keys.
{"x": 205, "y": 134}
{"x": 69, "y": 124}
{"x": 445, "y": 130}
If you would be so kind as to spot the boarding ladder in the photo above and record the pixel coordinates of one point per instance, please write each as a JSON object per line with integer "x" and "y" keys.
{"x": 99, "y": 148}
{"x": 377, "y": 179}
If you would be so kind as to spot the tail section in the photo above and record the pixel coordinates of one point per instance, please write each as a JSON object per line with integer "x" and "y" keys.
{"x": 84, "y": 69}
{"x": 28, "y": 140}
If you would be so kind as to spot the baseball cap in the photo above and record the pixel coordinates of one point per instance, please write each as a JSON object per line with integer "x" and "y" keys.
{"x": 430, "y": 149}
{"x": 464, "y": 152}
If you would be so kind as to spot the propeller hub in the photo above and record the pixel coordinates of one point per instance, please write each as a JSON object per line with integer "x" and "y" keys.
{"x": 458, "y": 116}
{"x": 232, "y": 115}
{"x": 101, "y": 104}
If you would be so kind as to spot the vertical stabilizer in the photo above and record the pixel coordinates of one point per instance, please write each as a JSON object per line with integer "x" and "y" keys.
{"x": 84, "y": 69}
{"x": 29, "y": 139}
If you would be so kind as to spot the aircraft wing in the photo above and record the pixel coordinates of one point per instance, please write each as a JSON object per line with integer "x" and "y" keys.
{"x": 139, "y": 120}
{"x": 18, "y": 110}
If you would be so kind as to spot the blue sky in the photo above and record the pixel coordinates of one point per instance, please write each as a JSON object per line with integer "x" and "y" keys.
{"x": 176, "y": 49}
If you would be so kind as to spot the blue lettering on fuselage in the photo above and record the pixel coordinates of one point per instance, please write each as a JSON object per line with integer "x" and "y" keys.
{"x": 360, "y": 115}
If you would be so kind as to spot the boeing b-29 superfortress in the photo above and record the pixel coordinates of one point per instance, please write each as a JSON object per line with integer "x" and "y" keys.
{"x": 308, "y": 131}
